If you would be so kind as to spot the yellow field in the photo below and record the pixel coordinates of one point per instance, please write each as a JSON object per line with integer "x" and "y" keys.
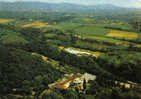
{"x": 5, "y": 21}
{"x": 123, "y": 34}
{"x": 138, "y": 45}
{"x": 37, "y": 25}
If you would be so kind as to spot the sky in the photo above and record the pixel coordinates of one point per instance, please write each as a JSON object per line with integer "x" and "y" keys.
{"x": 123, "y": 3}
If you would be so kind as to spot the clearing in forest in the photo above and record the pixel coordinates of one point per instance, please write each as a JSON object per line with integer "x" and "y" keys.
{"x": 37, "y": 25}
{"x": 123, "y": 34}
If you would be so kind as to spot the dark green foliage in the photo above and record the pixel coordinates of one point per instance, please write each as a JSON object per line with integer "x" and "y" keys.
{"x": 52, "y": 96}
{"x": 122, "y": 65}
{"x": 26, "y": 71}
{"x": 84, "y": 84}
{"x": 25, "y": 75}
{"x": 71, "y": 95}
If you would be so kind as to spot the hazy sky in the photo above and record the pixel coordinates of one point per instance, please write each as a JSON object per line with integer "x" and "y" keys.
{"x": 125, "y": 3}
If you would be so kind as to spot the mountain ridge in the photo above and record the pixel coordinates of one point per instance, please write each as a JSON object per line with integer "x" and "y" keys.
{"x": 40, "y": 6}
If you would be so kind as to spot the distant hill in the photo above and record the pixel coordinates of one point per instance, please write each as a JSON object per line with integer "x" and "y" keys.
{"x": 58, "y": 7}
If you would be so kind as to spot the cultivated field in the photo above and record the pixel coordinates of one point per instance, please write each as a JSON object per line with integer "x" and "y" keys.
{"x": 91, "y": 30}
{"x": 123, "y": 34}
{"x": 67, "y": 25}
{"x": 37, "y": 25}
{"x": 5, "y": 21}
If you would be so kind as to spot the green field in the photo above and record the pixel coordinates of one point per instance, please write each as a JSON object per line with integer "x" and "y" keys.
{"x": 91, "y": 30}
{"x": 67, "y": 25}
{"x": 98, "y": 32}
{"x": 83, "y": 29}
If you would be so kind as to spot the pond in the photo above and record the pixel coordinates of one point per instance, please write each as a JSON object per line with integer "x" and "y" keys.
{"x": 73, "y": 51}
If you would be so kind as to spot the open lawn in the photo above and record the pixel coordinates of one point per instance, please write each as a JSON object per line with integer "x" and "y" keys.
{"x": 123, "y": 34}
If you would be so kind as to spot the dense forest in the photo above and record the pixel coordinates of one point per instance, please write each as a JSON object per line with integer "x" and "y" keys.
{"x": 33, "y": 51}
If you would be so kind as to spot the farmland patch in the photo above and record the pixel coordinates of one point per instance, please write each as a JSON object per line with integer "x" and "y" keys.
{"x": 37, "y": 25}
{"x": 5, "y": 21}
{"x": 123, "y": 34}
